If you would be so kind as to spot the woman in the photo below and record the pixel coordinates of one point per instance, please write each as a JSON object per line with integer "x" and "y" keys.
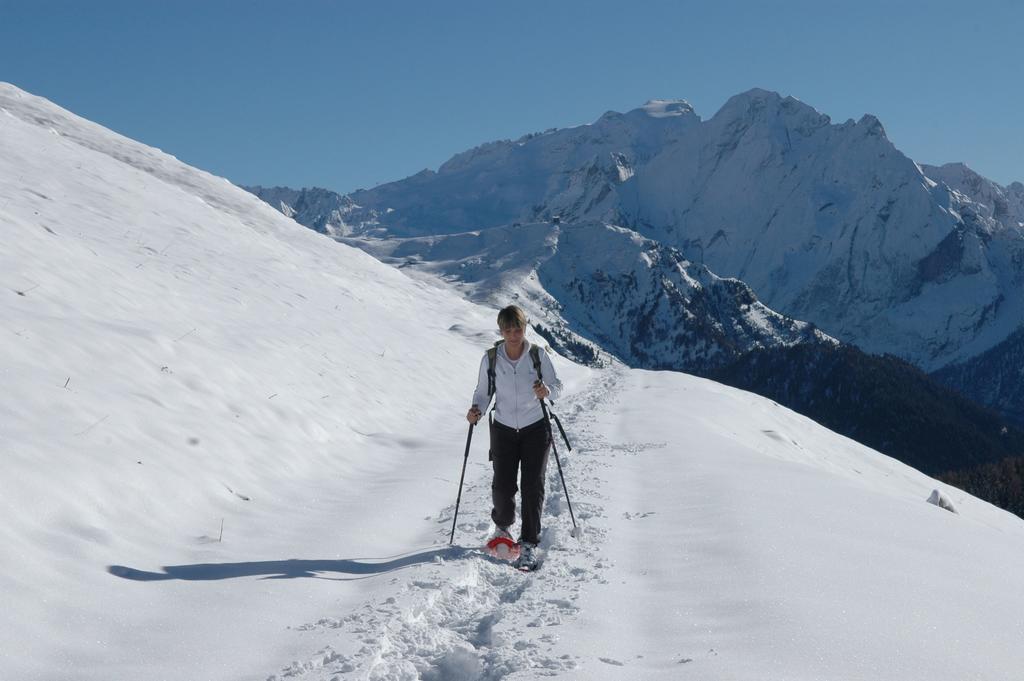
{"x": 519, "y": 378}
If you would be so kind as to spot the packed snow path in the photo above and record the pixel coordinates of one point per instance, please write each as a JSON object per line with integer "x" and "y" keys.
{"x": 758, "y": 547}
{"x": 466, "y": 615}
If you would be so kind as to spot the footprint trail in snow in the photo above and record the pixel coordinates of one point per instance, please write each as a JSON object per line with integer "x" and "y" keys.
{"x": 474, "y": 617}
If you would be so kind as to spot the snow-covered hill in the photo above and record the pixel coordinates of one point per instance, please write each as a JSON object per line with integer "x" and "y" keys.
{"x": 827, "y": 223}
{"x": 231, "y": 450}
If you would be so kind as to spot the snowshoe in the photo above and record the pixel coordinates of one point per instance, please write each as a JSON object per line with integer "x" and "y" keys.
{"x": 503, "y": 547}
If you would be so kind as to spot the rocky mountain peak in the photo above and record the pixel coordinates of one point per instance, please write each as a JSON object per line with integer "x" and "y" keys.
{"x": 758, "y": 105}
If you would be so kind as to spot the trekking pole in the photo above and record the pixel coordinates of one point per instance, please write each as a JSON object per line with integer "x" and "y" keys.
{"x": 561, "y": 430}
{"x": 469, "y": 438}
{"x": 551, "y": 435}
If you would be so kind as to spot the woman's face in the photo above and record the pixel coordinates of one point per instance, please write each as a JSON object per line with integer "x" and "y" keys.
{"x": 513, "y": 335}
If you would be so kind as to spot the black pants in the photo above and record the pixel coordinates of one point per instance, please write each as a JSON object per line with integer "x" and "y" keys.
{"x": 511, "y": 449}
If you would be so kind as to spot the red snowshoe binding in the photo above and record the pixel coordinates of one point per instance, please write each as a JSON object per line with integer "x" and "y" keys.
{"x": 503, "y": 548}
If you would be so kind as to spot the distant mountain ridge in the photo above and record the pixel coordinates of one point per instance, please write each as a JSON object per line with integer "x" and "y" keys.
{"x": 826, "y": 223}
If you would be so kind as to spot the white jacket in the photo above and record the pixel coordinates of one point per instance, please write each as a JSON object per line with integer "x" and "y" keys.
{"x": 516, "y": 406}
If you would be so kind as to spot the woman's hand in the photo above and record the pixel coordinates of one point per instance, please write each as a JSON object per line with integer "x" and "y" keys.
{"x": 540, "y": 390}
{"x": 473, "y": 415}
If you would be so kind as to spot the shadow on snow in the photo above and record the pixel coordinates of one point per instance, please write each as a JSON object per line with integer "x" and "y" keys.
{"x": 292, "y": 568}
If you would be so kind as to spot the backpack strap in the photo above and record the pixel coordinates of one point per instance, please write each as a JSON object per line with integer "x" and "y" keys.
{"x": 492, "y": 359}
{"x": 535, "y": 356}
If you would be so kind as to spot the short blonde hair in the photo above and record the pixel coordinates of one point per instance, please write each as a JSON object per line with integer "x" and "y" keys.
{"x": 512, "y": 316}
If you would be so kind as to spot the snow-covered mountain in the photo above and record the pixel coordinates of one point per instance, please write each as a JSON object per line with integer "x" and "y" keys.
{"x": 592, "y": 285}
{"x": 534, "y": 177}
{"x": 827, "y": 223}
{"x": 231, "y": 450}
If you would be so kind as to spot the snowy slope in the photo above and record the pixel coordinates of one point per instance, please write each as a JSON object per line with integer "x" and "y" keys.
{"x": 178, "y": 354}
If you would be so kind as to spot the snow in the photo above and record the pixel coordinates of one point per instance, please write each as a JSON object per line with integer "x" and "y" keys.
{"x": 940, "y": 500}
{"x": 663, "y": 108}
{"x": 179, "y": 357}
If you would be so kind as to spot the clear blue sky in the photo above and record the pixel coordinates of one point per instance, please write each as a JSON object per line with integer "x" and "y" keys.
{"x": 346, "y": 95}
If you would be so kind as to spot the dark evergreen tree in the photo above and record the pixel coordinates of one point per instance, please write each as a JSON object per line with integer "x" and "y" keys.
{"x": 882, "y": 402}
